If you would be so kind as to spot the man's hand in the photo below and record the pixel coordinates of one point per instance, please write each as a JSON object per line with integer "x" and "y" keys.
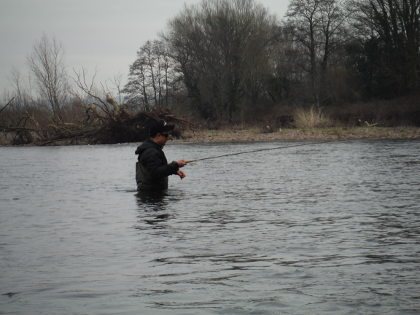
{"x": 181, "y": 163}
{"x": 181, "y": 174}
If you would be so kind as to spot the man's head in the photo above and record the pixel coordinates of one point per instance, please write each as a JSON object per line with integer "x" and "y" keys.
{"x": 159, "y": 131}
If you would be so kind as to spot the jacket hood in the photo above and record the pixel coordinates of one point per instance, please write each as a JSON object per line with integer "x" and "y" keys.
{"x": 147, "y": 145}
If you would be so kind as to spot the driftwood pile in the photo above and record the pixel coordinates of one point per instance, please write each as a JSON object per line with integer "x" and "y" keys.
{"x": 116, "y": 126}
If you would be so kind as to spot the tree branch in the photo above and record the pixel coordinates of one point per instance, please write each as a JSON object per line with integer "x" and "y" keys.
{"x": 8, "y": 103}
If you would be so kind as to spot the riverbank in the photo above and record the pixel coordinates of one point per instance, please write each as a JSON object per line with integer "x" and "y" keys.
{"x": 259, "y": 135}
{"x": 255, "y": 134}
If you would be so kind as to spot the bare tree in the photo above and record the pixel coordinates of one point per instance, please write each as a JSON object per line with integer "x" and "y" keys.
{"x": 303, "y": 19}
{"x": 47, "y": 64}
{"x": 21, "y": 90}
{"x": 152, "y": 76}
{"x": 222, "y": 49}
{"x": 95, "y": 99}
{"x": 392, "y": 29}
{"x": 118, "y": 87}
{"x": 287, "y": 69}
{"x": 319, "y": 27}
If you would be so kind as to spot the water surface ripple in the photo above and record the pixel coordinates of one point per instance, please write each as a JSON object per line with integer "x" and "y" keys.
{"x": 323, "y": 228}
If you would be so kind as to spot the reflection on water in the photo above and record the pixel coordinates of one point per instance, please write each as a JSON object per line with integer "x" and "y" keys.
{"x": 152, "y": 207}
{"x": 153, "y": 200}
{"x": 328, "y": 228}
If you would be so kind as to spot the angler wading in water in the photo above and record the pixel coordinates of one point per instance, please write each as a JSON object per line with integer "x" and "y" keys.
{"x": 152, "y": 168}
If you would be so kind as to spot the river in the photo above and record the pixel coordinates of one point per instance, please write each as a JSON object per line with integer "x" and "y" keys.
{"x": 321, "y": 228}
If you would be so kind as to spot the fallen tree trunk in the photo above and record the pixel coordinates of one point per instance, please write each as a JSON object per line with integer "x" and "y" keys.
{"x": 119, "y": 127}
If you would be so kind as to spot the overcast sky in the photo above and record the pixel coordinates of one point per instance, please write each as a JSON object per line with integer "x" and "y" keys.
{"x": 101, "y": 35}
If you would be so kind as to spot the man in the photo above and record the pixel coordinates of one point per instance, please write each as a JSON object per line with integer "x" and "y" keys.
{"x": 152, "y": 168}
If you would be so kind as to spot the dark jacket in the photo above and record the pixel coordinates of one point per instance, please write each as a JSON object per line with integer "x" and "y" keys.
{"x": 152, "y": 168}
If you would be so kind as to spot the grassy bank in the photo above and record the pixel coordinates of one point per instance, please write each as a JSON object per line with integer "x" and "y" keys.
{"x": 256, "y": 134}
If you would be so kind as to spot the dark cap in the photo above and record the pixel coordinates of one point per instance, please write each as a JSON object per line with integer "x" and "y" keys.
{"x": 160, "y": 126}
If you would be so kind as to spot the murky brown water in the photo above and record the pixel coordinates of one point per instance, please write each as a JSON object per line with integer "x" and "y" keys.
{"x": 328, "y": 228}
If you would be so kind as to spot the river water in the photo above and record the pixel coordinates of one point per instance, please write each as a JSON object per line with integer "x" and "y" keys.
{"x": 321, "y": 228}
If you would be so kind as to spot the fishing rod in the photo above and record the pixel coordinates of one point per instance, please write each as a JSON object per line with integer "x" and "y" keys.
{"x": 253, "y": 151}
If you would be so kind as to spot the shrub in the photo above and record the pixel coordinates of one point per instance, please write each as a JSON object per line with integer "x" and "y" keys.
{"x": 311, "y": 118}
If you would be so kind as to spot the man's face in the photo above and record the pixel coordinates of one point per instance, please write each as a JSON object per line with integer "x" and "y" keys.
{"x": 162, "y": 138}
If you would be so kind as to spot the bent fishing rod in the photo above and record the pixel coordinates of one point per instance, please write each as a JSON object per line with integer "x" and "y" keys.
{"x": 254, "y": 151}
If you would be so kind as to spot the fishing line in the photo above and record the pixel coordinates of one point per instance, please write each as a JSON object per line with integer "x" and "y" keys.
{"x": 254, "y": 151}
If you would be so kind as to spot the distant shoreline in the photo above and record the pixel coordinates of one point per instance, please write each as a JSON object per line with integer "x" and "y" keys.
{"x": 257, "y": 135}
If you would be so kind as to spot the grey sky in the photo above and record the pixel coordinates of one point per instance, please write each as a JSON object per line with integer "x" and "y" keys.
{"x": 101, "y": 35}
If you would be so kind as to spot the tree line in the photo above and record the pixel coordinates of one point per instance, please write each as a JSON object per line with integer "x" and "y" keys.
{"x": 233, "y": 56}
{"x": 224, "y": 59}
